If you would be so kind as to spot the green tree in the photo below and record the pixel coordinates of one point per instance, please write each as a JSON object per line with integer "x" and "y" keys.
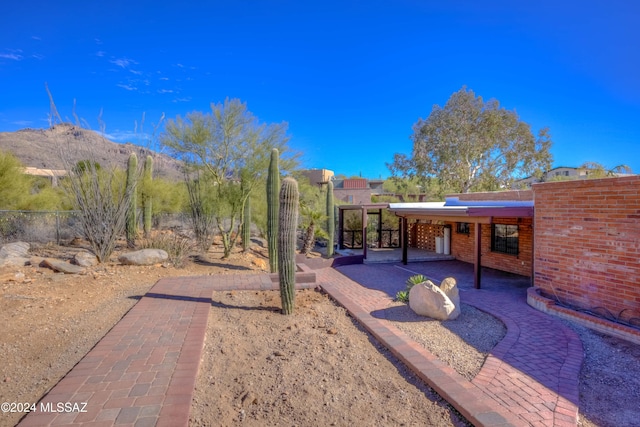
{"x": 472, "y": 145}
{"x": 15, "y": 186}
{"x": 230, "y": 146}
{"x": 598, "y": 170}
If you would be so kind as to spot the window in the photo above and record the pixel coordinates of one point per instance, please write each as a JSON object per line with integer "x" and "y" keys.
{"x": 504, "y": 238}
{"x": 462, "y": 227}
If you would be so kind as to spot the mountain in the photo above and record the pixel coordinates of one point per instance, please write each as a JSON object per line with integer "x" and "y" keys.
{"x": 46, "y": 148}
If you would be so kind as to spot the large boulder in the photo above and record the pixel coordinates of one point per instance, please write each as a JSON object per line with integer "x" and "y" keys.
{"x": 61, "y": 266}
{"x": 14, "y": 254}
{"x": 144, "y": 257}
{"x": 427, "y": 299}
{"x": 85, "y": 259}
{"x": 450, "y": 287}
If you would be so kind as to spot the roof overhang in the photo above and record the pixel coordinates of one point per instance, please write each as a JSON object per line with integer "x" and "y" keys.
{"x": 440, "y": 211}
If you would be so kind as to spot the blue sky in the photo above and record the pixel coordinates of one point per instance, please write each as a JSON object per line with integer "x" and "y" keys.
{"x": 349, "y": 77}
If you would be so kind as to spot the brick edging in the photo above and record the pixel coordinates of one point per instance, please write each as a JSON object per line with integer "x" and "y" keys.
{"x": 547, "y": 305}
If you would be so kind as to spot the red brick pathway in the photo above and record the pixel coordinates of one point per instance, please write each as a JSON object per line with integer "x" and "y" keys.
{"x": 530, "y": 377}
{"x": 143, "y": 372}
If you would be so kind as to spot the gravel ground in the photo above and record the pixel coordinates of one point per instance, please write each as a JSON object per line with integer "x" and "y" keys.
{"x": 460, "y": 343}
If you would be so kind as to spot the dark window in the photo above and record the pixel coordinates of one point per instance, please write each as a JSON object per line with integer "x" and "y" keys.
{"x": 462, "y": 227}
{"x": 504, "y": 238}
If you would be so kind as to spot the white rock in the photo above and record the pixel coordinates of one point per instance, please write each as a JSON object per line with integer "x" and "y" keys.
{"x": 61, "y": 266}
{"x": 144, "y": 257}
{"x": 14, "y": 254}
{"x": 427, "y": 299}
{"x": 450, "y": 287}
{"x": 85, "y": 259}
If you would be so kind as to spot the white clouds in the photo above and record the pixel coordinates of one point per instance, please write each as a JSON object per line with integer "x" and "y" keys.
{"x": 136, "y": 72}
{"x": 22, "y": 123}
{"x": 123, "y": 62}
{"x": 126, "y": 136}
{"x": 101, "y": 53}
{"x": 165, "y": 91}
{"x": 185, "y": 99}
{"x": 127, "y": 86}
{"x": 36, "y": 38}
{"x": 15, "y": 55}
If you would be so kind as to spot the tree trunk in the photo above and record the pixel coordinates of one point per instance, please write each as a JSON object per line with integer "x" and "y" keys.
{"x": 309, "y": 239}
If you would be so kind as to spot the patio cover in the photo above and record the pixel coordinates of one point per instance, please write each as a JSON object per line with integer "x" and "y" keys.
{"x": 455, "y": 210}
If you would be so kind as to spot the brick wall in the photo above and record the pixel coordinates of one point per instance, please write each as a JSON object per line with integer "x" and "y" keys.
{"x": 587, "y": 237}
{"x": 462, "y": 247}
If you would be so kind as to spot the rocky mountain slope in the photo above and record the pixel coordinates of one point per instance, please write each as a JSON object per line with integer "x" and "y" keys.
{"x": 51, "y": 148}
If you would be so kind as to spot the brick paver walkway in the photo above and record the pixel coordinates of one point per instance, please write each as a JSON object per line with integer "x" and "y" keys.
{"x": 532, "y": 373}
{"x": 143, "y": 372}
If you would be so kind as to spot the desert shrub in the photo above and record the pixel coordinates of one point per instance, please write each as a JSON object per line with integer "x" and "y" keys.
{"x": 176, "y": 246}
{"x": 403, "y": 296}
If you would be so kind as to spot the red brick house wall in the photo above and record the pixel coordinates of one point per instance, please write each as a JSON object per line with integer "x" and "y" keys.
{"x": 462, "y": 247}
{"x": 587, "y": 243}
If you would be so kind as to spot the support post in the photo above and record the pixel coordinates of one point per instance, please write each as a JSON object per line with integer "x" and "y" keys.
{"x": 405, "y": 240}
{"x": 477, "y": 227}
{"x": 379, "y": 228}
{"x": 341, "y": 228}
{"x": 364, "y": 232}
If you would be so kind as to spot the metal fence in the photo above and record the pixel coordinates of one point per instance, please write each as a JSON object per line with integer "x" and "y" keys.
{"x": 63, "y": 226}
{"x": 38, "y": 226}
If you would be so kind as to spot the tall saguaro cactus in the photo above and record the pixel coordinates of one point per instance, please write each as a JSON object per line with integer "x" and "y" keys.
{"x": 288, "y": 223}
{"x": 146, "y": 196}
{"x": 331, "y": 220}
{"x": 273, "y": 189}
{"x": 131, "y": 227}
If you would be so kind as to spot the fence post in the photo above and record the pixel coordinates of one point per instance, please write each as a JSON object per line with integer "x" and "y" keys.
{"x": 57, "y": 229}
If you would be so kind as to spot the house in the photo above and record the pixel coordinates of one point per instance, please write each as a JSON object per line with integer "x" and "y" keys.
{"x": 563, "y": 173}
{"x": 52, "y": 174}
{"x": 354, "y": 191}
{"x": 578, "y": 240}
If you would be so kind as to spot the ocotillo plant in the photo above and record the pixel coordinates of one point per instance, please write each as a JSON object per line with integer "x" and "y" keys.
{"x": 288, "y": 223}
{"x": 331, "y": 220}
{"x": 273, "y": 188}
{"x": 131, "y": 227}
{"x": 146, "y": 196}
{"x": 246, "y": 225}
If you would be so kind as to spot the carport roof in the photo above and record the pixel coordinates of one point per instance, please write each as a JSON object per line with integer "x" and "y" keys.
{"x": 473, "y": 210}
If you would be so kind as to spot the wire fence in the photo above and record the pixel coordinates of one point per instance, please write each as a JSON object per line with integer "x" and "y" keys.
{"x": 61, "y": 227}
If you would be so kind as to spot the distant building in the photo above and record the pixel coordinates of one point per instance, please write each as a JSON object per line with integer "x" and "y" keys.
{"x": 318, "y": 176}
{"x": 356, "y": 191}
{"x": 560, "y": 173}
{"x": 52, "y": 174}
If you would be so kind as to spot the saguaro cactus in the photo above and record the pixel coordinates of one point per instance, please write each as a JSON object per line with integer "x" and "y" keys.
{"x": 131, "y": 227}
{"x": 288, "y": 224}
{"x": 331, "y": 220}
{"x": 273, "y": 188}
{"x": 246, "y": 225}
{"x": 146, "y": 196}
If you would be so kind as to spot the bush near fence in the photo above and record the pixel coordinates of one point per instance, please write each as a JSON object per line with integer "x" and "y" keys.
{"x": 61, "y": 227}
